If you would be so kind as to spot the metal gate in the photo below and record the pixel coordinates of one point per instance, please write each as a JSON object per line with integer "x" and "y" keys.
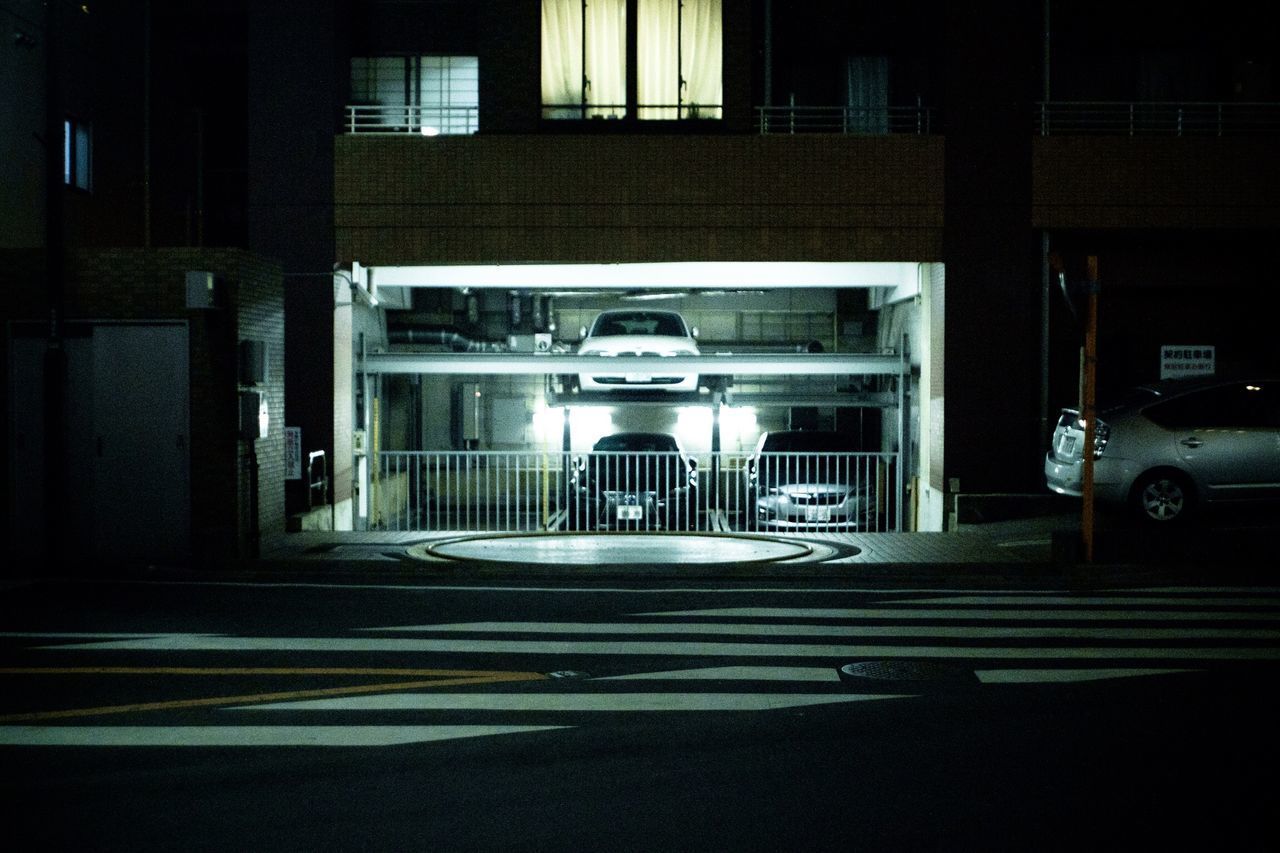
{"x": 524, "y": 491}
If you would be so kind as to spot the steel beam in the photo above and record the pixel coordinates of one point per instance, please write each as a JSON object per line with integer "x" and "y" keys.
{"x": 744, "y": 364}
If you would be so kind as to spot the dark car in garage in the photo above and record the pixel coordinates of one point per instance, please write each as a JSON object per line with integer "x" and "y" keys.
{"x": 634, "y": 481}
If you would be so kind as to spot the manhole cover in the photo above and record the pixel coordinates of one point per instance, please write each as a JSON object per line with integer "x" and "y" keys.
{"x": 904, "y": 670}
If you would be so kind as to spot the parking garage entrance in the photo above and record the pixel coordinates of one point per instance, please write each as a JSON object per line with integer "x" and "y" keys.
{"x": 481, "y": 425}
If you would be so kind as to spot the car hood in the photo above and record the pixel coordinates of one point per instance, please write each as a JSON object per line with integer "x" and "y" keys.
{"x": 637, "y": 345}
{"x": 804, "y": 490}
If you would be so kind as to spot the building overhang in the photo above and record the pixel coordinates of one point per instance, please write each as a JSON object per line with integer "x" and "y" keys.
{"x": 898, "y": 277}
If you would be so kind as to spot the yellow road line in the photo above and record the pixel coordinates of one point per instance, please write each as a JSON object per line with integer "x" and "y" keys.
{"x": 256, "y": 670}
{"x": 255, "y": 698}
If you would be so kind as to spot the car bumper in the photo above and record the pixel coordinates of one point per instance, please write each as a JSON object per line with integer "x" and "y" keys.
{"x": 1067, "y": 478}
{"x": 636, "y": 382}
{"x": 773, "y": 513}
{"x": 645, "y": 510}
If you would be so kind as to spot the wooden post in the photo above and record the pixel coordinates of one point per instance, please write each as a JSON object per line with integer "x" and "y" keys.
{"x": 1088, "y": 407}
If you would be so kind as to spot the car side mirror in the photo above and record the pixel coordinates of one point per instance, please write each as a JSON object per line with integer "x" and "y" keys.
{"x": 582, "y": 333}
{"x": 694, "y": 331}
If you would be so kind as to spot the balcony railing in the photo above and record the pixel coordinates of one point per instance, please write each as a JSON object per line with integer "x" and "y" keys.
{"x": 408, "y": 118}
{"x": 915, "y": 119}
{"x": 454, "y": 121}
{"x": 1156, "y": 118}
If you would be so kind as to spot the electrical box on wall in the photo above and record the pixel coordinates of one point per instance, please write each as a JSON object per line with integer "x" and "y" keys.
{"x": 253, "y": 362}
{"x": 255, "y": 420}
{"x": 203, "y": 290}
{"x": 539, "y": 342}
{"x": 465, "y": 415}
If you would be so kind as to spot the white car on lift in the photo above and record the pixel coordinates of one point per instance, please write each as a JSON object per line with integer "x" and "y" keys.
{"x": 627, "y": 332}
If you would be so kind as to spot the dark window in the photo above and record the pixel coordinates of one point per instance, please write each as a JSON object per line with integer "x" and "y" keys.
{"x": 77, "y": 154}
{"x": 638, "y": 442}
{"x": 1240, "y": 405}
{"x": 808, "y": 442}
{"x": 639, "y": 323}
{"x": 430, "y": 95}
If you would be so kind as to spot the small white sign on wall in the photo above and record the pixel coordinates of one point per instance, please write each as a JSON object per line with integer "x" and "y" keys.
{"x": 293, "y": 453}
{"x": 1179, "y": 360}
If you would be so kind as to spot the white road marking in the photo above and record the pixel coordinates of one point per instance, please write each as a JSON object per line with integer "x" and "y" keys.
{"x": 647, "y": 590}
{"x": 735, "y": 673}
{"x": 1047, "y": 676}
{"x": 570, "y": 702}
{"x": 1093, "y": 600}
{"x": 257, "y": 736}
{"x": 79, "y": 634}
{"x": 756, "y": 629}
{"x": 198, "y": 642}
{"x": 900, "y": 613}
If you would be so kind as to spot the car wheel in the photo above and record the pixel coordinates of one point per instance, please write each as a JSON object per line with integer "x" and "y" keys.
{"x": 1163, "y": 497}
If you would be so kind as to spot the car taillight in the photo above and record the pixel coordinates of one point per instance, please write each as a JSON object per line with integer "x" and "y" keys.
{"x": 1101, "y": 435}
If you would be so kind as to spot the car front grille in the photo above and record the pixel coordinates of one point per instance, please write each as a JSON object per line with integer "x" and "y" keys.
{"x": 817, "y": 498}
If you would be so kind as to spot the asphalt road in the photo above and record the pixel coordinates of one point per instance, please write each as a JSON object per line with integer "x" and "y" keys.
{"x": 291, "y": 716}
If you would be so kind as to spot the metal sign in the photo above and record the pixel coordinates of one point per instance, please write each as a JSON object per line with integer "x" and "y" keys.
{"x": 1179, "y": 360}
{"x": 293, "y": 453}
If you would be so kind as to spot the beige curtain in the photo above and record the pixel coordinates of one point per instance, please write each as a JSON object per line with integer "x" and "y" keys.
{"x": 565, "y": 31}
{"x": 672, "y": 43}
{"x": 606, "y": 35}
{"x": 701, "y": 36}
{"x": 561, "y": 58}
{"x": 657, "y": 59}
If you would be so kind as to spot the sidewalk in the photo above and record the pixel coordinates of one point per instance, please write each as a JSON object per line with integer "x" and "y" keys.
{"x": 1038, "y": 548}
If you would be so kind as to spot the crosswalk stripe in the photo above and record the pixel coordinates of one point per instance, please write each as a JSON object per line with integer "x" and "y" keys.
{"x": 254, "y": 736}
{"x": 1127, "y": 600}
{"x": 572, "y": 702}
{"x": 179, "y": 642}
{"x": 829, "y": 674}
{"x": 906, "y": 613}
{"x": 1044, "y": 676}
{"x": 792, "y": 630}
{"x": 735, "y": 673}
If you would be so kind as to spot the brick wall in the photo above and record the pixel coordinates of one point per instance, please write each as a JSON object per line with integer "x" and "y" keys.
{"x": 571, "y": 198}
{"x": 1123, "y": 182}
{"x": 141, "y": 285}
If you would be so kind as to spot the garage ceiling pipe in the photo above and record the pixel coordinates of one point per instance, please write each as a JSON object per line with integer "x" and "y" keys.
{"x": 440, "y": 337}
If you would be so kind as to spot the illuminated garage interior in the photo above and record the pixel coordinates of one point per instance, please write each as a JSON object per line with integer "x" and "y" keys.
{"x": 459, "y": 370}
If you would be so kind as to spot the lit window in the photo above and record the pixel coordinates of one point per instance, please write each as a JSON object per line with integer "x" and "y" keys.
{"x": 77, "y": 154}
{"x": 678, "y": 50}
{"x": 431, "y": 95}
{"x": 584, "y": 51}
{"x": 679, "y": 60}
